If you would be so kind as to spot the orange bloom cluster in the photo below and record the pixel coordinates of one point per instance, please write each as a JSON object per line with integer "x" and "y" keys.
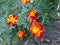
{"x": 25, "y": 1}
{"x": 37, "y": 29}
{"x": 33, "y": 14}
{"x": 12, "y": 20}
{"x": 21, "y": 34}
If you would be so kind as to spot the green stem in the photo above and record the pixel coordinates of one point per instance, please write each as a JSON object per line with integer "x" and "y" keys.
{"x": 43, "y": 20}
{"x": 39, "y": 43}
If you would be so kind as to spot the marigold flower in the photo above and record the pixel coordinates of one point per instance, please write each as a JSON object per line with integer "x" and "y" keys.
{"x": 25, "y": 1}
{"x": 37, "y": 29}
{"x": 12, "y": 20}
{"x": 33, "y": 14}
{"x": 21, "y": 34}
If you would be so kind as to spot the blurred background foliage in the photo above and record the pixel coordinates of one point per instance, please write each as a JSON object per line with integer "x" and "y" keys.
{"x": 47, "y": 16}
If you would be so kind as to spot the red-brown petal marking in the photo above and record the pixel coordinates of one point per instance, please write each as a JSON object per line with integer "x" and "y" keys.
{"x": 16, "y": 17}
{"x": 42, "y": 35}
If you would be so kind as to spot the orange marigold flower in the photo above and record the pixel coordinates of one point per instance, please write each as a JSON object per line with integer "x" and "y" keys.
{"x": 33, "y": 14}
{"x": 37, "y": 29}
{"x": 25, "y": 1}
{"x": 21, "y": 34}
{"x": 12, "y": 20}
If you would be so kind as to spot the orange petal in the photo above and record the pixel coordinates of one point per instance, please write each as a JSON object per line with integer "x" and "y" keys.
{"x": 25, "y": 1}
{"x": 28, "y": 1}
{"x": 38, "y": 25}
{"x": 37, "y": 34}
{"x": 10, "y": 16}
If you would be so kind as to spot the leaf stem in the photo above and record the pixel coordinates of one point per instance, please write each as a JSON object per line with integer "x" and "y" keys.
{"x": 43, "y": 20}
